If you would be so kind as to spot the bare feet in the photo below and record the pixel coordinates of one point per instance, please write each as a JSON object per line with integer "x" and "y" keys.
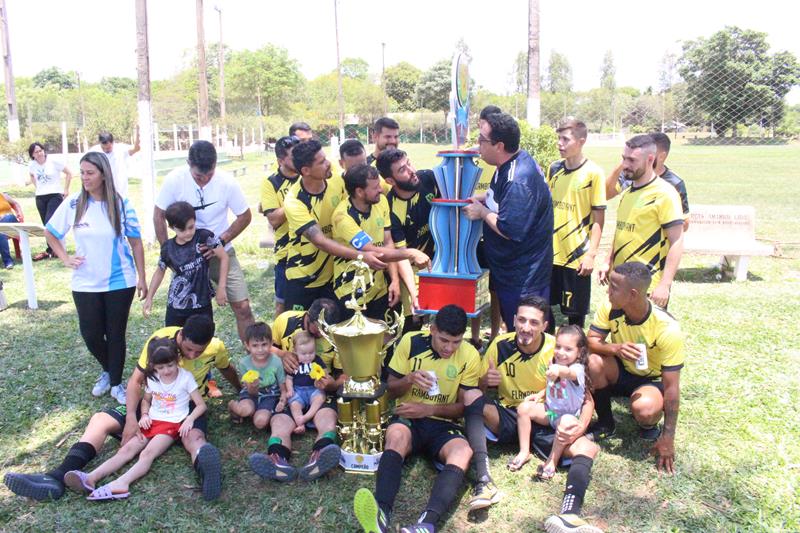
{"x": 519, "y": 461}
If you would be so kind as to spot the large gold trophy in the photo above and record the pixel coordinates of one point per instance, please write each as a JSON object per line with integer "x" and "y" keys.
{"x": 361, "y": 345}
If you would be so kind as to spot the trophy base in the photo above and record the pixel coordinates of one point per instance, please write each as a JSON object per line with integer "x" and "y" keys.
{"x": 360, "y": 463}
{"x": 373, "y": 393}
{"x": 468, "y": 291}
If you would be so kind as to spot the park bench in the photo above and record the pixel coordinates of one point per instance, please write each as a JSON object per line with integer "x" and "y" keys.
{"x": 21, "y": 231}
{"x": 240, "y": 171}
{"x": 727, "y": 231}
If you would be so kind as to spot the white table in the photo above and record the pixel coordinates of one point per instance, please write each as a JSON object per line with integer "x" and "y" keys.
{"x": 21, "y": 231}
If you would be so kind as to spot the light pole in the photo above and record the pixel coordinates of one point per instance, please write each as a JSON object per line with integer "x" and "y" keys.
{"x": 204, "y": 132}
{"x": 383, "y": 79}
{"x": 222, "y": 81}
{"x": 11, "y": 96}
{"x": 339, "y": 71}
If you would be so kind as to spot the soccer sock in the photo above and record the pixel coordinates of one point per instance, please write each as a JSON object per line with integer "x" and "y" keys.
{"x": 387, "y": 480}
{"x": 275, "y": 445}
{"x": 329, "y": 437}
{"x": 473, "y": 421}
{"x": 444, "y": 491}
{"x": 77, "y": 457}
{"x": 602, "y": 404}
{"x": 577, "y": 481}
{"x": 551, "y": 322}
{"x": 577, "y": 320}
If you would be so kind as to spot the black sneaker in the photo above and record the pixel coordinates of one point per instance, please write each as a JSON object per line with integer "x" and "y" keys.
{"x": 40, "y": 487}
{"x": 321, "y": 462}
{"x": 598, "y": 432}
{"x": 652, "y": 433}
{"x": 209, "y": 466}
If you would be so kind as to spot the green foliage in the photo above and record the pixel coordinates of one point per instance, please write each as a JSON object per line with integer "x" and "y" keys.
{"x": 559, "y": 74}
{"x": 433, "y": 90}
{"x": 519, "y": 73}
{"x": 56, "y": 77}
{"x": 266, "y": 77}
{"x": 732, "y": 79}
{"x": 541, "y": 143}
{"x": 401, "y": 85}
{"x": 355, "y": 68}
{"x": 608, "y": 72}
{"x": 119, "y": 85}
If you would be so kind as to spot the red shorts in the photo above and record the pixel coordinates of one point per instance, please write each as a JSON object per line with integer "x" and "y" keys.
{"x": 160, "y": 427}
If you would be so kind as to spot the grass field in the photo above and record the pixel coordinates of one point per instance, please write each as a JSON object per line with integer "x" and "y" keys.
{"x": 738, "y": 456}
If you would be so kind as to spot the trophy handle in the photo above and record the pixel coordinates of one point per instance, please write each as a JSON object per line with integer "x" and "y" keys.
{"x": 323, "y": 329}
{"x": 395, "y": 330}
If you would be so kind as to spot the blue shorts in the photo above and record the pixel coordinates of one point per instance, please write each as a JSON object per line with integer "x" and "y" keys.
{"x": 509, "y": 301}
{"x": 266, "y": 401}
{"x": 280, "y": 281}
{"x": 304, "y": 395}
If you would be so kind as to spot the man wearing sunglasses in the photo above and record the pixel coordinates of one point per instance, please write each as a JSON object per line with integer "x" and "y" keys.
{"x": 517, "y": 214}
{"x": 118, "y": 156}
{"x": 212, "y": 192}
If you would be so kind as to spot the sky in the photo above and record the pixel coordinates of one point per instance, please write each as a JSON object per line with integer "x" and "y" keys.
{"x": 98, "y": 38}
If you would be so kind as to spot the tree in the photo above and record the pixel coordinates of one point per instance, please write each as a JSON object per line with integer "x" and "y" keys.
{"x": 401, "y": 85}
{"x": 559, "y": 74}
{"x": 732, "y": 79}
{"x": 433, "y": 90}
{"x": 55, "y": 76}
{"x": 116, "y": 84}
{"x": 607, "y": 73}
{"x": 355, "y": 68}
{"x": 267, "y": 77}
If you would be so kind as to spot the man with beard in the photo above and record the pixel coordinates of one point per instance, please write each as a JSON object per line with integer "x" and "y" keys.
{"x": 309, "y": 207}
{"x": 362, "y": 222}
{"x": 385, "y": 134}
{"x": 409, "y": 203}
{"x": 649, "y": 221}
{"x": 273, "y": 194}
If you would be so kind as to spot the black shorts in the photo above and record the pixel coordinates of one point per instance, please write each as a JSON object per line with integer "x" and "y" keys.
{"x": 118, "y": 413}
{"x": 298, "y": 297}
{"x": 571, "y": 291}
{"x": 628, "y": 383}
{"x": 376, "y": 309}
{"x": 429, "y": 435}
{"x": 507, "y": 432}
{"x": 178, "y": 317}
{"x": 480, "y": 252}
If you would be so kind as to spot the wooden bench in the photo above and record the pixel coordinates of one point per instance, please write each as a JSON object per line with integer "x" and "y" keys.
{"x": 241, "y": 171}
{"x": 22, "y": 231}
{"x": 728, "y": 231}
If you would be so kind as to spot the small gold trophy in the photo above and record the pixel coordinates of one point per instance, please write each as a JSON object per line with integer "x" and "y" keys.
{"x": 361, "y": 344}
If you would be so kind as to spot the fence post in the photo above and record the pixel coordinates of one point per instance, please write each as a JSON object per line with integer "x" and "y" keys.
{"x": 155, "y": 137}
{"x": 64, "y": 145}
{"x": 261, "y": 134}
{"x": 175, "y": 137}
{"x": 191, "y": 135}
{"x": 219, "y": 139}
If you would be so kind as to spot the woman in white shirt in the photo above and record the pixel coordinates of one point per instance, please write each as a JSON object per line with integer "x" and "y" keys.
{"x": 108, "y": 266}
{"x": 45, "y": 175}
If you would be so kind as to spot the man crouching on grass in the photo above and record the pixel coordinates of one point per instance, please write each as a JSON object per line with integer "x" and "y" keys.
{"x": 432, "y": 375}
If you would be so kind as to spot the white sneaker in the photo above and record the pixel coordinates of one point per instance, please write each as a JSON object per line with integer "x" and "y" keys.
{"x": 102, "y": 385}
{"x": 118, "y": 393}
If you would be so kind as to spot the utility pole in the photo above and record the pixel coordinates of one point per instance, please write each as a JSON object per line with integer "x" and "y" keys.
{"x": 11, "y": 95}
{"x": 204, "y": 126}
{"x": 145, "y": 120}
{"x": 383, "y": 79}
{"x": 83, "y": 115}
{"x": 222, "y": 82}
{"x": 339, "y": 72}
{"x": 533, "y": 112}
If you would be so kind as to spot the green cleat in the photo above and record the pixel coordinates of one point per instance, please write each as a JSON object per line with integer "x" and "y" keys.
{"x": 569, "y": 523}
{"x": 484, "y": 494}
{"x": 368, "y": 513}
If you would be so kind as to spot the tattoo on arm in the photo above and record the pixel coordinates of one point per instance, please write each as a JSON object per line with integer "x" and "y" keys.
{"x": 670, "y": 416}
{"x": 312, "y": 232}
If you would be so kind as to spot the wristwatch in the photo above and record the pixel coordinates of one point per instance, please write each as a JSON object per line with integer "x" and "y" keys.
{"x": 222, "y": 242}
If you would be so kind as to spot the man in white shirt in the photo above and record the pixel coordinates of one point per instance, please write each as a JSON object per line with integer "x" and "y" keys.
{"x": 118, "y": 156}
{"x": 212, "y": 192}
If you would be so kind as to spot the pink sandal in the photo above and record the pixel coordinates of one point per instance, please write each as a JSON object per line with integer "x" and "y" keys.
{"x": 78, "y": 481}
{"x": 104, "y": 493}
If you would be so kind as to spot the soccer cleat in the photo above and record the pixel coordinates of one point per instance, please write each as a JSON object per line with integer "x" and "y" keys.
{"x": 569, "y": 523}
{"x": 421, "y": 527}
{"x": 209, "y": 466}
{"x": 40, "y": 487}
{"x": 272, "y": 467}
{"x": 102, "y": 385}
{"x": 321, "y": 462}
{"x": 369, "y": 515}
{"x": 213, "y": 390}
{"x": 651, "y": 433}
{"x": 598, "y": 432}
{"x": 484, "y": 494}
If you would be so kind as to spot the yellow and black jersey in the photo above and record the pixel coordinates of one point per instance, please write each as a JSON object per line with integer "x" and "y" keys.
{"x": 353, "y": 228}
{"x": 289, "y": 322}
{"x": 487, "y": 172}
{"x": 409, "y": 217}
{"x": 273, "y": 194}
{"x": 576, "y": 192}
{"x": 304, "y": 261}
{"x": 521, "y": 374}
{"x": 659, "y": 331}
{"x": 643, "y": 215}
{"x": 214, "y": 356}
{"x": 385, "y": 187}
{"x": 414, "y": 352}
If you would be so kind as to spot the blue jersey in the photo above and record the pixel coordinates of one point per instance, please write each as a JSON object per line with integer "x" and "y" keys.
{"x": 521, "y": 198}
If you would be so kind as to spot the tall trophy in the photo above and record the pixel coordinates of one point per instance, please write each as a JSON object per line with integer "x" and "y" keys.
{"x": 455, "y": 276}
{"x": 363, "y": 406}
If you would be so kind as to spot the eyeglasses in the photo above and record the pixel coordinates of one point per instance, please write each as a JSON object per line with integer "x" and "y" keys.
{"x": 482, "y": 139}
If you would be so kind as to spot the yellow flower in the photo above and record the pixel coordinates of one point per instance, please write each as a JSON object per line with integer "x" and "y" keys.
{"x": 250, "y": 376}
{"x": 317, "y": 372}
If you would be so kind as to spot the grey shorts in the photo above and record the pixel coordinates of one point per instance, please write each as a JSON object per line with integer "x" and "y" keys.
{"x": 236, "y": 286}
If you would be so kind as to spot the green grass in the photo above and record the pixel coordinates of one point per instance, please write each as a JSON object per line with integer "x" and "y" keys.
{"x": 738, "y": 456}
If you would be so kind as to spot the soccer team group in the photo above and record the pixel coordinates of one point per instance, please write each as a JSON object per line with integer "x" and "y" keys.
{"x": 541, "y": 235}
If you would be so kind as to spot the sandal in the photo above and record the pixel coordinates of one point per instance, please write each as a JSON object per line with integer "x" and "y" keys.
{"x": 78, "y": 481}
{"x": 545, "y": 474}
{"x": 516, "y": 465}
{"x": 105, "y": 493}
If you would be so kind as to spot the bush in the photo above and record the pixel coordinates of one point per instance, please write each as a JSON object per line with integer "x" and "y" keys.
{"x": 541, "y": 143}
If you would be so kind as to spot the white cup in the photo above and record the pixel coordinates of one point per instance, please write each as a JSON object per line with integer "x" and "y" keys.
{"x": 641, "y": 363}
{"x": 434, "y": 390}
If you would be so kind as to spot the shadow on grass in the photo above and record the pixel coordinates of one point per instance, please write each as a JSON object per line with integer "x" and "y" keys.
{"x": 709, "y": 275}
{"x": 44, "y": 305}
